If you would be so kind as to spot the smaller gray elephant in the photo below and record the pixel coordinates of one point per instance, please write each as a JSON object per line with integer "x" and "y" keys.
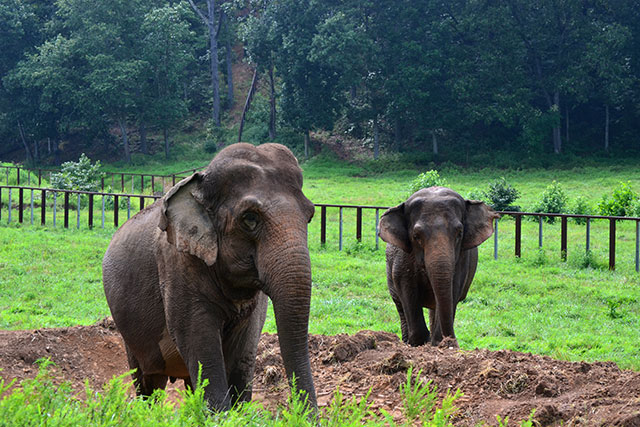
{"x": 432, "y": 257}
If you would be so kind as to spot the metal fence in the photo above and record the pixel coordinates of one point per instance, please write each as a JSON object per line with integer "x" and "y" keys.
{"x": 124, "y": 181}
{"x": 52, "y": 202}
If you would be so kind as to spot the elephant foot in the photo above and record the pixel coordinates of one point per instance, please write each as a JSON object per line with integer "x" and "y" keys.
{"x": 448, "y": 342}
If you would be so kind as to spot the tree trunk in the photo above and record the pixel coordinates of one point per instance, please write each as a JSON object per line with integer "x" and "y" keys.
{"x": 434, "y": 142}
{"x": 306, "y": 144}
{"x": 166, "y": 143}
{"x": 125, "y": 140}
{"x": 27, "y": 150}
{"x": 229, "y": 59}
{"x": 247, "y": 103}
{"x": 143, "y": 139}
{"x": 36, "y": 151}
{"x": 606, "y": 128}
{"x": 557, "y": 136}
{"x": 397, "y": 134}
{"x": 272, "y": 105}
{"x": 213, "y": 42}
{"x": 376, "y": 139}
{"x": 566, "y": 126}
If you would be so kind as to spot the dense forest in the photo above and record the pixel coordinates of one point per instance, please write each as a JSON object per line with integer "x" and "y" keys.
{"x": 454, "y": 79}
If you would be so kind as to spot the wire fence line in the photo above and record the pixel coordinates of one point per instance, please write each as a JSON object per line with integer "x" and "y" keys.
{"x": 108, "y": 208}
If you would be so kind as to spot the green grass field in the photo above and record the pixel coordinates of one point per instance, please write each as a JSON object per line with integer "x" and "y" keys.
{"x": 575, "y": 310}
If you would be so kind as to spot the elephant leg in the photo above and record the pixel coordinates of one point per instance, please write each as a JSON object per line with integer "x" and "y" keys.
{"x": 403, "y": 321}
{"x": 434, "y": 325}
{"x": 418, "y": 333}
{"x": 145, "y": 384}
{"x": 240, "y": 348}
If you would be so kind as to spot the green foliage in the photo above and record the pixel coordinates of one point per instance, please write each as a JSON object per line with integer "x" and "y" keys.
{"x": 81, "y": 175}
{"x": 623, "y": 201}
{"x": 552, "y": 200}
{"x": 501, "y": 195}
{"x": 427, "y": 179}
{"x": 581, "y": 206}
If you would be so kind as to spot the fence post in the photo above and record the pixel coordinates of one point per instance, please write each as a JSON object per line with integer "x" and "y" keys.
{"x": 340, "y": 235}
{"x": 377, "y": 224}
{"x": 39, "y": 177}
{"x": 540, "y": 232}
{"x": 153, "y": 184}
{"x": 103, "y": 196}
{"x": 66, "y": 209}
{"x": 323, "y": 225}
{"x": 612, "y": 244}
{"x": 141, "y": 202}
{"x": 43, "y": 207}
{"x": 122, "y": 182}
{"x": 563, "y": 238}
{"x": 115, "y": 210}
{"x": 9, "y": 217}
{"x": 495, "y": 240}
{"x": 129, "y": 202}
{"x": 518, "y": 235}
{"x": 359, "y": 224}
{"x": 18, "y": 176}
{"x": 102, "y": 184}
{"x": 174, "y": 179}
{"x": 78, "y": 213}
{"x": 20, "y": 205}
{"x": 31, "y": 206}
{"x": 141, "y": 184}
{"x": 90, "y": 211}
{"x": 55, "y": 207}
{"x": 637, "y": 246}
{"x": 588, "y": 235}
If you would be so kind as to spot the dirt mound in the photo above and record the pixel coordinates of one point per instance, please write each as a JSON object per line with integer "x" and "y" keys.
{"x": 501, "y": 383}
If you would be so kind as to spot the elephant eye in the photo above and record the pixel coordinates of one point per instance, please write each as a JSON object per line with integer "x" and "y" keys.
{"x": 250, "y": 220}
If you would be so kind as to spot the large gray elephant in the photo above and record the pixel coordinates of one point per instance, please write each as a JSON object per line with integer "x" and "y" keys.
{"x": 432, "y": 257}
{"x": 187, "y": 278}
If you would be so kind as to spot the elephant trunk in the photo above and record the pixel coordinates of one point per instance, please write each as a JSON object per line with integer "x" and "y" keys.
{"x": 440, "y": 271}
{"x": 288, "y": 283}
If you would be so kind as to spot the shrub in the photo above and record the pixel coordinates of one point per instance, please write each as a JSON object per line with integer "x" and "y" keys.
{"x": 501, "y": 196}
{"x": 80, "y": 175}
{"x": 635, "y": 208}
{"x": 621, "y": 202}
{"x": 553, "y": 200}
{"x": 427, "y": 179}
{"x": 477, "y": 194}
{"x": 581, "y": 207}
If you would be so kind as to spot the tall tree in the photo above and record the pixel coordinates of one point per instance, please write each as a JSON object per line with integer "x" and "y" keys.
{"x": 213, "y": 28}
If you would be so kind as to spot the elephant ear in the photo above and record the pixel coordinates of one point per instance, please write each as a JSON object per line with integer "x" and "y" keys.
{"x": 186, "y": 222}
{"x": 478, "y": 225}
{"x": 393, "y": 228}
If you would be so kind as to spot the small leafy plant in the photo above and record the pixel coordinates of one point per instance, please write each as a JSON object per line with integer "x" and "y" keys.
{"x": 623, "y": 201}
{"x": 81, "y": 175}
{"x": 427, "y": 179}
{"x": 501, "y": 196}
{"x": 553, "y": 200}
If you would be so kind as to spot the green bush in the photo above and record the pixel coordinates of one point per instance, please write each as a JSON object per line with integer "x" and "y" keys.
{"x": 501, "y": 196}
{"x": 427, "y": 179}
{"x": 621, "y": 203}
{"x": 553, "y": 200}
{"x": 80, "y": 175}
{"x": 581, "y": 207}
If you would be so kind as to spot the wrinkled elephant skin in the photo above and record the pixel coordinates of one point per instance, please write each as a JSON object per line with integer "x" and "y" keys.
{"x": 187, "y": 278}
{"x": 432, "y": 257}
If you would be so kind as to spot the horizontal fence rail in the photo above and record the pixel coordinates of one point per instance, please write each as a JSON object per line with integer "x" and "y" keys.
{"x": 53, "y": 202}
{"x": 118, "y": 181}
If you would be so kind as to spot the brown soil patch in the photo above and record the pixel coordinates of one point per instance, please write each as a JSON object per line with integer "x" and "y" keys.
{"x": 501, "y": 383}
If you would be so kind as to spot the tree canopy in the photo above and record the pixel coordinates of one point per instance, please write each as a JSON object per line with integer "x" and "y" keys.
{"x": 450, "y": 78}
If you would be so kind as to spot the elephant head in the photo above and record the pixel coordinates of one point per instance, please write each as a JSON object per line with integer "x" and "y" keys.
{"x": 244, "y": 220}
{"x": 438, "y": 232}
